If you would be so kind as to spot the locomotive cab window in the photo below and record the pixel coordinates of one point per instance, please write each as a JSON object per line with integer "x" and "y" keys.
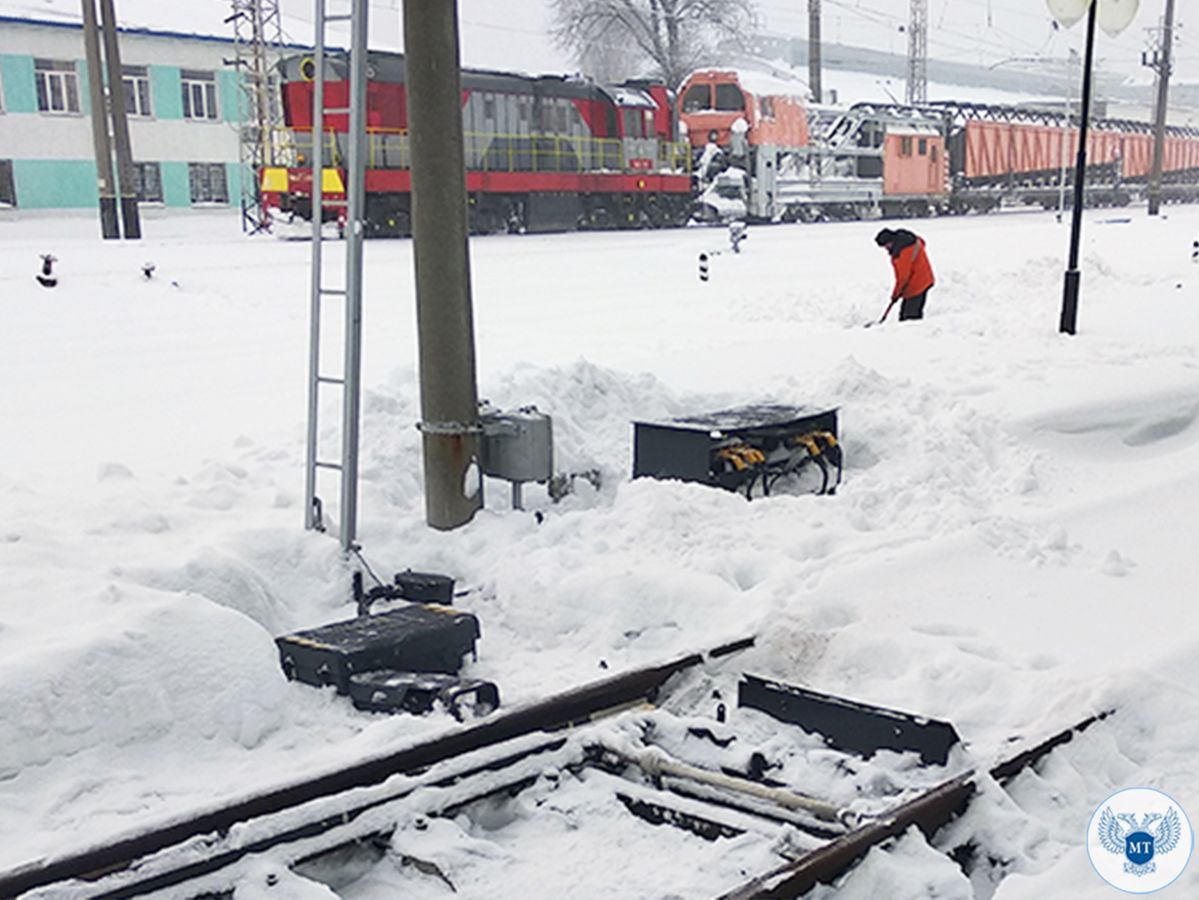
{"x": 932, "y": 153}
{"x": 922, "y": 147}
{"x": 729, "y": 98}
{"x": 634, "y": 123}
{"x": 767, "y": 107}
{"x": 905, "y": 146}
{"x": 697, "y": 99}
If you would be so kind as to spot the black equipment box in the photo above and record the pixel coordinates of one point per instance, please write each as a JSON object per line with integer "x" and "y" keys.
{"x": 849, "y": 725}
{"x": 425, "y": 587}
{"x": 418, "y": 638}
{"x": 736, "y": 448}
{"x": 385, "y": 690}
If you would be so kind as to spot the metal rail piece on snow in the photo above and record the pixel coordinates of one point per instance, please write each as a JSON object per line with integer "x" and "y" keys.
{"x": 125, "y": 856}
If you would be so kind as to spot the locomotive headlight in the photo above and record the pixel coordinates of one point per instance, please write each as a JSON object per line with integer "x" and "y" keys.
{"x": 308, "y": 68}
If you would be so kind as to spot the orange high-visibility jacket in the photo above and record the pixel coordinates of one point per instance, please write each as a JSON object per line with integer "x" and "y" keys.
{"x": 913, "y": 271}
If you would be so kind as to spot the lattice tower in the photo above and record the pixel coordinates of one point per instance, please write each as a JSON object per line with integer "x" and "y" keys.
{"x": 917, "y": 84}
{"x": 258, "y": 46}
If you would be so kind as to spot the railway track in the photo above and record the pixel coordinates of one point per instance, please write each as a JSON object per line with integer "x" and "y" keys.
{"x": 606, "y": 733}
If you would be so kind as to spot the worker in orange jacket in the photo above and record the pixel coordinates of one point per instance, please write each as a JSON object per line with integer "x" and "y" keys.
{"x": 913, "y": 271}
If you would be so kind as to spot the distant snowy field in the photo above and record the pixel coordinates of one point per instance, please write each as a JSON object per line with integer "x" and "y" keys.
{"x": 1013, "y": 547}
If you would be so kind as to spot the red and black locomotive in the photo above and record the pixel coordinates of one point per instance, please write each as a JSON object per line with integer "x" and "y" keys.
{"x": 545, "y": 153}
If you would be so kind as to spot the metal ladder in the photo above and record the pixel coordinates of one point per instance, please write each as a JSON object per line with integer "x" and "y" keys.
{"x": 349, "y": 381}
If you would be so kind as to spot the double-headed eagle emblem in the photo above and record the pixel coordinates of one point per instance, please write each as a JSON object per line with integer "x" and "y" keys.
{"x": 1139, "y": 842}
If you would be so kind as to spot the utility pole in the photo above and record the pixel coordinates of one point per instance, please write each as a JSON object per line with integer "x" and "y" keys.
{"x": 449, "y": 399}
{"x": 814, "y": 51}
{"x": 109, "y": 226}
{"x": 917, "y": 84}
{"x": 1160, "y": 61}
{"x": 1068, "y": 322}
{"x": 1063, "y": 151}
{"x": 120, "y": 122}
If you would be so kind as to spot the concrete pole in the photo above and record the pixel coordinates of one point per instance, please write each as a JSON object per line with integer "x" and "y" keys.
{"x": 1159, "y": 119}
{"x": 449, "y": 400}
{"x": 120, "y": 123}
{"x": 109, "y": 226}
{"x": 814, "y": 51}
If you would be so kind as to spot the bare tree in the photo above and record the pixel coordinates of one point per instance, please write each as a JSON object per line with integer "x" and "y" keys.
{"x": 672, "y": 36}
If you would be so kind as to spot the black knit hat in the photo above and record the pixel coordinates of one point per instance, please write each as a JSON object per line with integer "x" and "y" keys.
{"x": 884, "y": 237}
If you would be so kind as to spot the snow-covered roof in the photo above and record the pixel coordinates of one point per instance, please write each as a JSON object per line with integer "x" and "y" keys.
{"x": 631, "y": 97}
{"x": 772, "y": 83}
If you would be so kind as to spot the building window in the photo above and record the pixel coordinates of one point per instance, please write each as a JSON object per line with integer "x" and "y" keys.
{"x": 57, "y": 86}
{"x": 8, "y": 193}
{"x": 207, "y": 181}
{"x": 147, "y": 182}
{"x": 137, "y": 90}
{"x": 199, "y": 95}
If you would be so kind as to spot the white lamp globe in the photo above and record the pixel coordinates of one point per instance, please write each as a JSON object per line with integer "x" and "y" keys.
{"x": 1067, "y": 12}
{"x": 1114, "y": 15}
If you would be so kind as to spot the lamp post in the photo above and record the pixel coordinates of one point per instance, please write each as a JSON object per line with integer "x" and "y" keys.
{"x": 1114, "y": 16}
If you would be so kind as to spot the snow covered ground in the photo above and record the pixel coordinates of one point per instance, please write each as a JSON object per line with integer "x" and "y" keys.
{"x": 1012, "y": 548}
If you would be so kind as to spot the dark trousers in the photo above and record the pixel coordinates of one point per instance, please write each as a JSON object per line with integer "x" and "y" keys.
{"x": 912, "y": 307}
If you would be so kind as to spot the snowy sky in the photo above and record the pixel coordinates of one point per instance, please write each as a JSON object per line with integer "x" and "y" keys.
{"x": 513, "y": 33}
{"x": 986, "y": 31}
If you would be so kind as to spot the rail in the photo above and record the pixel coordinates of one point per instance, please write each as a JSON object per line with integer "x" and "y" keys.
{"x": 505, "y": 755}
{"x": 116, "y": 868}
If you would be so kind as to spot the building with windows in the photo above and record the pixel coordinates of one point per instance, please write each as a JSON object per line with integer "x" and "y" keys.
{"x": 183, "y": 102}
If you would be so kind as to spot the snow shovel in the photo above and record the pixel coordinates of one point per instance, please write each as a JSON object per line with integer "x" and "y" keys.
{"x": 884, "y": 317}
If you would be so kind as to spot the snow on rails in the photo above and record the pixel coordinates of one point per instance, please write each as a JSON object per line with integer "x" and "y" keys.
{"x": 815, "y": 780}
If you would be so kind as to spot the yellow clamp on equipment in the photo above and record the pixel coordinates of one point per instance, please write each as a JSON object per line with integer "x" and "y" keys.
{"x": 742, "y": 456}
{"x": 811, "y": 441}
